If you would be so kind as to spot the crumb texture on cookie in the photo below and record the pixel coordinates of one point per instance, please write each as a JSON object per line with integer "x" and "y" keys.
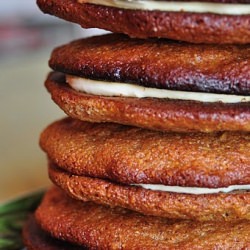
{"x": 190, "y": 27}
{"x": 151, "y": 113}
{"x": 132, "y": 155}
{"x": 157, "y": 63}
{"x": 219, "y": 207}
{"x": 105, "y": 228}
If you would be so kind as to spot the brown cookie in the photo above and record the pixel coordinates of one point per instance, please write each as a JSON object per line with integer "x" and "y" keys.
{"x": 151, "y": 113}
{"x": 133, "y": 155}
{"x": 184, "y": 26}
{"x": 157, "y": 63}
{"x": 202, "y": 207}
{"x": 36, "y": 239}
{"x": 100, "y": 227}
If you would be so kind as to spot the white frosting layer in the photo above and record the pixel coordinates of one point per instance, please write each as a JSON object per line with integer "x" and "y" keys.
{"x": 131, "y": 90}
{"x": 193, "y": 190}
{"x": 196, "y": 7}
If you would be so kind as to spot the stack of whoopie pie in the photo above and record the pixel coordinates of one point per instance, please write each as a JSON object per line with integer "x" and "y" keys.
{"x": 155, "y": 153}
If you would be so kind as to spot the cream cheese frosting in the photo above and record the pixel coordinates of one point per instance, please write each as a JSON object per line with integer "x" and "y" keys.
{"x": 104, "y": 88}
{"x": 193, "y": 190}
{"x": 195, "y": 7}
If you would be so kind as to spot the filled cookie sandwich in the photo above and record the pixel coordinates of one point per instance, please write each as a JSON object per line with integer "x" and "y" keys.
{"x": 155, "y": 84}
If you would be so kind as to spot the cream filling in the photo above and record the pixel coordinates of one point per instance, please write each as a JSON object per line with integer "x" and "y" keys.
{"x": 193, "y": 190}
{"x": 196, "y": 7}
{"x": 103, "y": 88}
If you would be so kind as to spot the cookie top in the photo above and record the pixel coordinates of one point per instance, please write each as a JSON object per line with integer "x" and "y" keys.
{"x": 117, "y": 228}
{"x": 191, "y": 25}
{"x": 133, "y": 155}
{"x": 156, "y": 63}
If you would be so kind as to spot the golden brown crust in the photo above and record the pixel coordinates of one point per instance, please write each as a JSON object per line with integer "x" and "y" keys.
{"x": 133, "y": 155}
{"x": 190, "y": 27}
{"x": 157, "y": 63}
{"x": 219, "y": 207}
{"x": 151, "y": 113}
{"x": 36, "y": 239}
{"x": 103, "y": 228}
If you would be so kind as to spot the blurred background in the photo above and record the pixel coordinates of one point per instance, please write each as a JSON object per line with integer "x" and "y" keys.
{"x": 27, "y": 37}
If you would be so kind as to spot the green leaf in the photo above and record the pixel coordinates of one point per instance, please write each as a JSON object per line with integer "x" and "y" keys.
{"x": 10, "y": 244}
{"x": 22, "y": 204}
{"x": 12, "y": 218}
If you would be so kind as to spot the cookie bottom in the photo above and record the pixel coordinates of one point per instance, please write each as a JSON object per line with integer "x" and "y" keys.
{"x": 183, "y": 26}
{"x": 95, "y": 226}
